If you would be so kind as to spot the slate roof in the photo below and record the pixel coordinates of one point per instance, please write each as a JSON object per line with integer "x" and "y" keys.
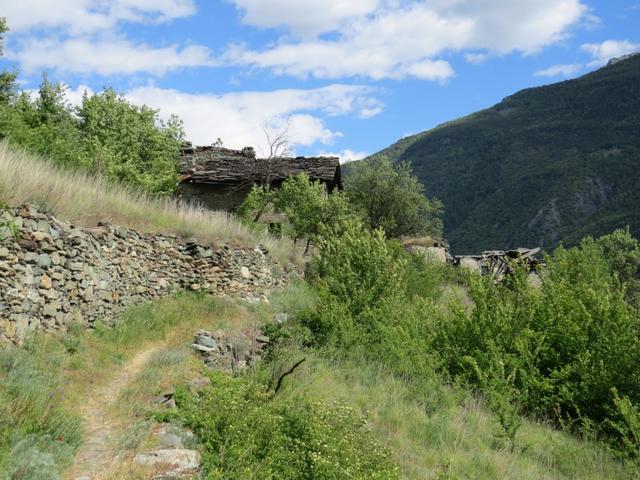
{"x": 218, "y": 165}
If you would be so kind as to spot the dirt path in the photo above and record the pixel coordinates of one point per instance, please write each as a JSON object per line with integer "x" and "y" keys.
{"x": 97, "y": 456}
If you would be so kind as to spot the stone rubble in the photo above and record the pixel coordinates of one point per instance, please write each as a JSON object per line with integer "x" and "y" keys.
{"x": 56, "y": 273}
{"x": 181, "y": 461}
{"x": 230, "y": 353}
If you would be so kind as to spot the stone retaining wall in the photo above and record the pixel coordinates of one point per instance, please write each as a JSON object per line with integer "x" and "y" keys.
{"x": 56, "y": 273}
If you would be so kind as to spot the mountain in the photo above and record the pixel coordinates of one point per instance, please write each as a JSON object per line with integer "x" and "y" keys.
{"x": 546, "y": 165}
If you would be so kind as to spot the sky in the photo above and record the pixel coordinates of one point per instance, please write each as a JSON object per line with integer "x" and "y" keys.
{"x": 342, "y": 77}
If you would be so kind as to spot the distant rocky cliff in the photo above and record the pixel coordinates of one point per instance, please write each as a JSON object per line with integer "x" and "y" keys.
{"x": 55, "y": 273}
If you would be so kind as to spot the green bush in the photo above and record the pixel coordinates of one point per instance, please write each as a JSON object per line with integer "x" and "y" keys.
{"x": 626, "y": 423}
{"x": 568, "y": 343}
{"x": 363, "y": 305}
{"x": 248, "y": 433}
{"x": 306, "y": 204}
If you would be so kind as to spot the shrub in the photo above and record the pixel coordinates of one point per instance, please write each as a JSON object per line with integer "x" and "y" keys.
{"x": 363, "y": 307}
{"x": 248, "y": 433}
{"x": 305, "y": 203}
{"x": 626, "y": 422}
{"x": 567, "y": 344}
{"x": 356, "y": 276}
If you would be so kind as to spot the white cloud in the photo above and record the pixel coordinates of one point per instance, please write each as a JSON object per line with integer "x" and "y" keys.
{"x": 345, "y": 155}
{"x": 564, "y": 70}
{"x": 476, "y": 58}
{"x": 239, "y": 118}
{"x": 305, "y": 19}
{"x": 80, "y": 36}
{"x": 82, "y": 16}
{"x": 74, "y": 96}
{"x": 603, "y": 52}
{"x": 108, "y": 56}
{"x": 404, "y": 38}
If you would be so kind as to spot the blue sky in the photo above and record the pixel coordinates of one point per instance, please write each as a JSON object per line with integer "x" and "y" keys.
{"x": 342, "y": 76}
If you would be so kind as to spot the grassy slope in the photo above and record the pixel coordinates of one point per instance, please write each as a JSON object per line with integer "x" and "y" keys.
{"x": 438, "y": 431}
{"x": 85, "y": 200}
{"x": 451, "y": 434}
{"x": 44, "y": 386}
{"x": 573, "y": 145}
{"x": 446, "y": 433}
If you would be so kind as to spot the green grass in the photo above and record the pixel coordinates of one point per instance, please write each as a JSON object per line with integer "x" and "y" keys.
{"x": 43, "y": 384}
{"x": 85, "y": 200}
{"x": 443, "y": 432}
{"x": 435, "y": 430}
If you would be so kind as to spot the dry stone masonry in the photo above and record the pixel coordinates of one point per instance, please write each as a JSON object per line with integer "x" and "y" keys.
{"x": 230, "y": 354}
{"x": 55, "y": 273}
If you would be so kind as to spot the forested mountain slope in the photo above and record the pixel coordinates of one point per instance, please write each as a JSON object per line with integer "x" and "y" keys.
{"x": 546, "y": 165}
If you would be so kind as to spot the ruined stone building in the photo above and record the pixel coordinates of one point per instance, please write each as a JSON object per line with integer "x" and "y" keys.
{"x": 220, "y": 178}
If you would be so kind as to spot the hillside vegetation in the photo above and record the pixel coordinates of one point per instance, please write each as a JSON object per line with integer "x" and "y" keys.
{"x": 83, "y": 198}
{"x": 379, "y": 363}
{"x": 546, "y": 165}
{"x": 396, "y": 426}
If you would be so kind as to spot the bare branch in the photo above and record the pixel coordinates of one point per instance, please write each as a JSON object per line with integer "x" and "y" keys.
{"x": 288, "y": 372}
{"x": 278, "y": 147}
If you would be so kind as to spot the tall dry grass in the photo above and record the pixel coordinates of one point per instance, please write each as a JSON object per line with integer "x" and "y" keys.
{"x": 85, "y": 200}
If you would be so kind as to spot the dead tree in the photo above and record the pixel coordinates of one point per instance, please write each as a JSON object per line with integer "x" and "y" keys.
{"x": 277, "y": 147}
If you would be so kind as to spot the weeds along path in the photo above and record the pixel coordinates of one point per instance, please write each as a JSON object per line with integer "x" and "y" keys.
{"x": 98, "y": 456}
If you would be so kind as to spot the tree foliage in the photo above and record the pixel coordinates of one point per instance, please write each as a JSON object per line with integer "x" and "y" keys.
{"x": 622, "y": 252}
{"x": 566, "y": 344}
{"x": 107, "y": 135}
{"x": 306, "y": 205}
{"x": 303, "y": 202}
{"x": 392, "y": 198}
{"x": 129, "y": 143}
{"x": 7, "y": 79}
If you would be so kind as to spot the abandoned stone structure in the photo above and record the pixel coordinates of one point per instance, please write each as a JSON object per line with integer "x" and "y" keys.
{"x": 220, "y": 178}
{"x": 56, "y": 273}
{"x": 498, "y": 262}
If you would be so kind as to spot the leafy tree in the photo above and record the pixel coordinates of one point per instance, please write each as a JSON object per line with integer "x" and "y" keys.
{"x": 107, "y": 134}
{"x": 129, "y": 143}
{"x": 7, "y": 79}
{"x": 257, "y": 202}
{"x": 622, "y": 253}
{"x": 303, "y": 202}
{"x": 46, "y": 125}
{"x": 310, "y": 209}
{"x": 392, "y": 198}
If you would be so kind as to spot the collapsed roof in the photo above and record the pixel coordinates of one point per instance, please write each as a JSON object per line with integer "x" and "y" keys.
{"x": 217, "y": 165}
